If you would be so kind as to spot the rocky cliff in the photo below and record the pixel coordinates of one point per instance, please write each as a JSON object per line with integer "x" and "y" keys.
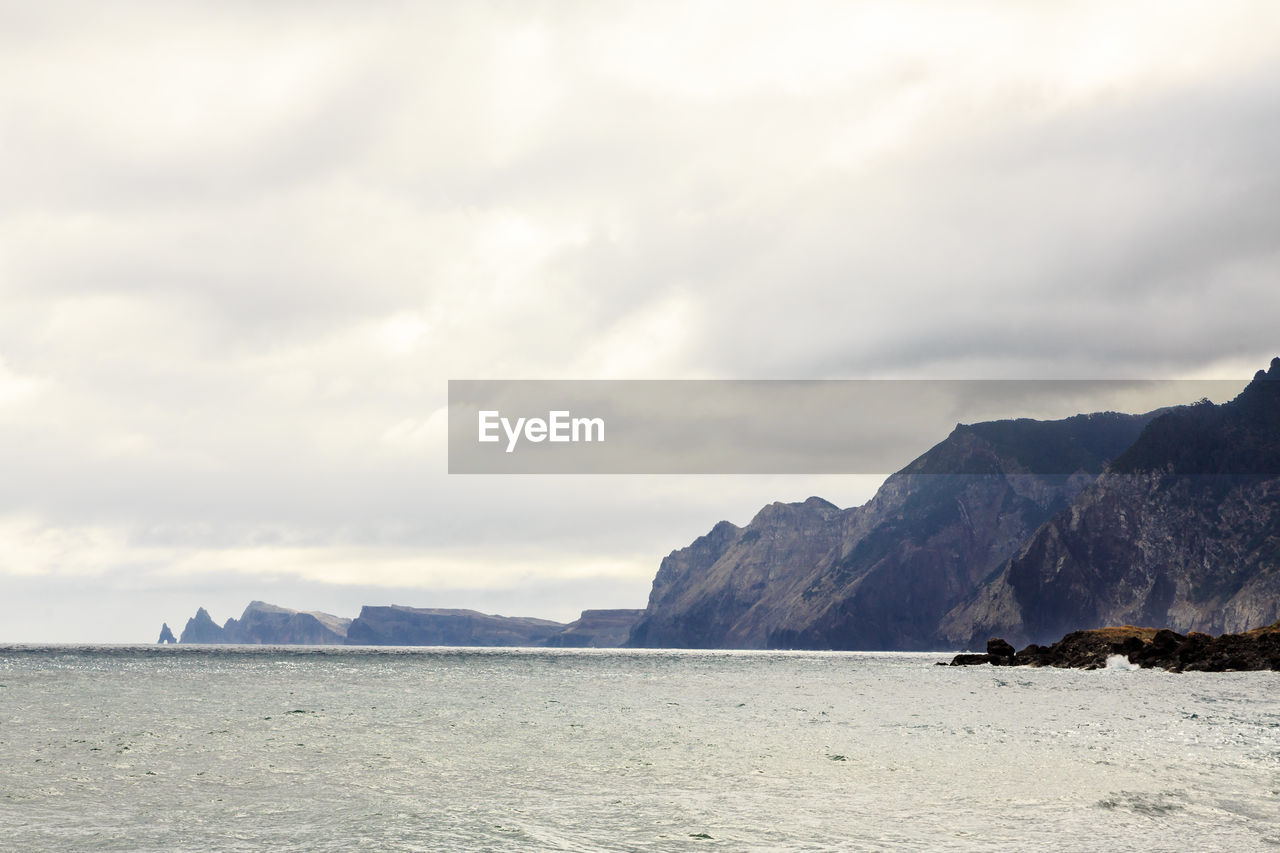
{"x": 414, "y": 626}
{"x": 1183, "y": 531}
{"x": 883, "y": 575}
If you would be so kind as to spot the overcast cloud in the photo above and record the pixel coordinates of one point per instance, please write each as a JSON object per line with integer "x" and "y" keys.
{"x": 243, "y": 247}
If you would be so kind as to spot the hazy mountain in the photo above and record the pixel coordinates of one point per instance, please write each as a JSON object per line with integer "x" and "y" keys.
{"x": 406, "y": 626}
{"x": 268, "y": 624}
{"x": 415, "y": 626}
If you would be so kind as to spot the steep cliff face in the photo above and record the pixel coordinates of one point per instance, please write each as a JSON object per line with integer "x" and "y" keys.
{"x": 881, "y": 576}
{"x": 722, "y": 591}
{"x": 1183, "y": 531}
{"x": 414, "y": 626}
{"x": 268, "y": 624}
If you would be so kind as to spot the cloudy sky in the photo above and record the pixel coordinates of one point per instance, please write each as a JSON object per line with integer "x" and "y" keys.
{"x": 243, "y": 247}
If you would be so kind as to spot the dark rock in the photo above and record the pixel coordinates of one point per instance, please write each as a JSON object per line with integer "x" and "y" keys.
{"x": 1146, "y": 647}
{"x": 166, "y": 636}
{"x": 971, "y": 660}
{"x": 998, "y": 648}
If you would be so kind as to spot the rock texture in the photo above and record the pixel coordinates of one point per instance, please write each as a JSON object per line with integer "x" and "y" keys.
{"x": 1254, "y": 650}
{"x": 267, "y": 624}
{"x": 1183, "y": 530}
{"x": 883, "y": 575}
{"x": 412, "y": 626}
{"x": 597, "y": 629}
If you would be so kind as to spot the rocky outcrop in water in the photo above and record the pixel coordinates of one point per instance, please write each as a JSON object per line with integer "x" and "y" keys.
{"x": 1182, "y": 530}
{"x": 166, "y": 636}
{"x": 596, "y": 629}
{"x": 1254, "y": 650}
{"x": 414, "y": 626}
{"x": 883, "y": 575}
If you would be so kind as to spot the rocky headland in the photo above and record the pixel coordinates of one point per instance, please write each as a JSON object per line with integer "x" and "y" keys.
{"x": 396, "y": 625}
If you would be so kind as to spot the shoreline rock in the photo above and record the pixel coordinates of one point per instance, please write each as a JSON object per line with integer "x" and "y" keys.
{"x": 1149, "y": 648}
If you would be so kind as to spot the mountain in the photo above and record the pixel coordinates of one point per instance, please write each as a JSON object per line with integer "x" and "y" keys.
{"x": 267, "y": 624}
{"x": 414, "y": 626}
{"x": 1182, "y": 531}
{"x": 596, "y": 629}
{"x": 883, "y": 575}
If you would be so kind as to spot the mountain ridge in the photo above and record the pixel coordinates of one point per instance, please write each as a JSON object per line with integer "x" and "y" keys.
{"x": 881, "y": 575}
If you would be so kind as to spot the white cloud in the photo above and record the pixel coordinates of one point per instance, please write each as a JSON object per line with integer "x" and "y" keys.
{"x": 243, "y": 247}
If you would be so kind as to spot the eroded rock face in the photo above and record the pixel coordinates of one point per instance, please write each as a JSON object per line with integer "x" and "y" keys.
{"x": 883, "y": 575}
{"x": 166, "y": 636}
{"x": 1183, "y": 531}
{"x": 1254, "y": 650}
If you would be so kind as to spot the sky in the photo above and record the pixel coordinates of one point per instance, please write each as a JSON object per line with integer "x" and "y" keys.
{"x": 244, "y": 246}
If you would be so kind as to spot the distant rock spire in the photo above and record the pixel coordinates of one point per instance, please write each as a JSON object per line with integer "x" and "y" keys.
{"x": 166, "y": 636}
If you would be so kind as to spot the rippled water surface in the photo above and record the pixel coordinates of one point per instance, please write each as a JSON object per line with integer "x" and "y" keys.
{"x": 294, "y": 749}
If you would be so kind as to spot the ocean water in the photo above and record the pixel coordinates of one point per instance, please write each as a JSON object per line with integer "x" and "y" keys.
{"x": 142, "y": 749}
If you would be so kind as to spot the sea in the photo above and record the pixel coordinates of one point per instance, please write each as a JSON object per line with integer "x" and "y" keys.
{"x": 209, "y": 748}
